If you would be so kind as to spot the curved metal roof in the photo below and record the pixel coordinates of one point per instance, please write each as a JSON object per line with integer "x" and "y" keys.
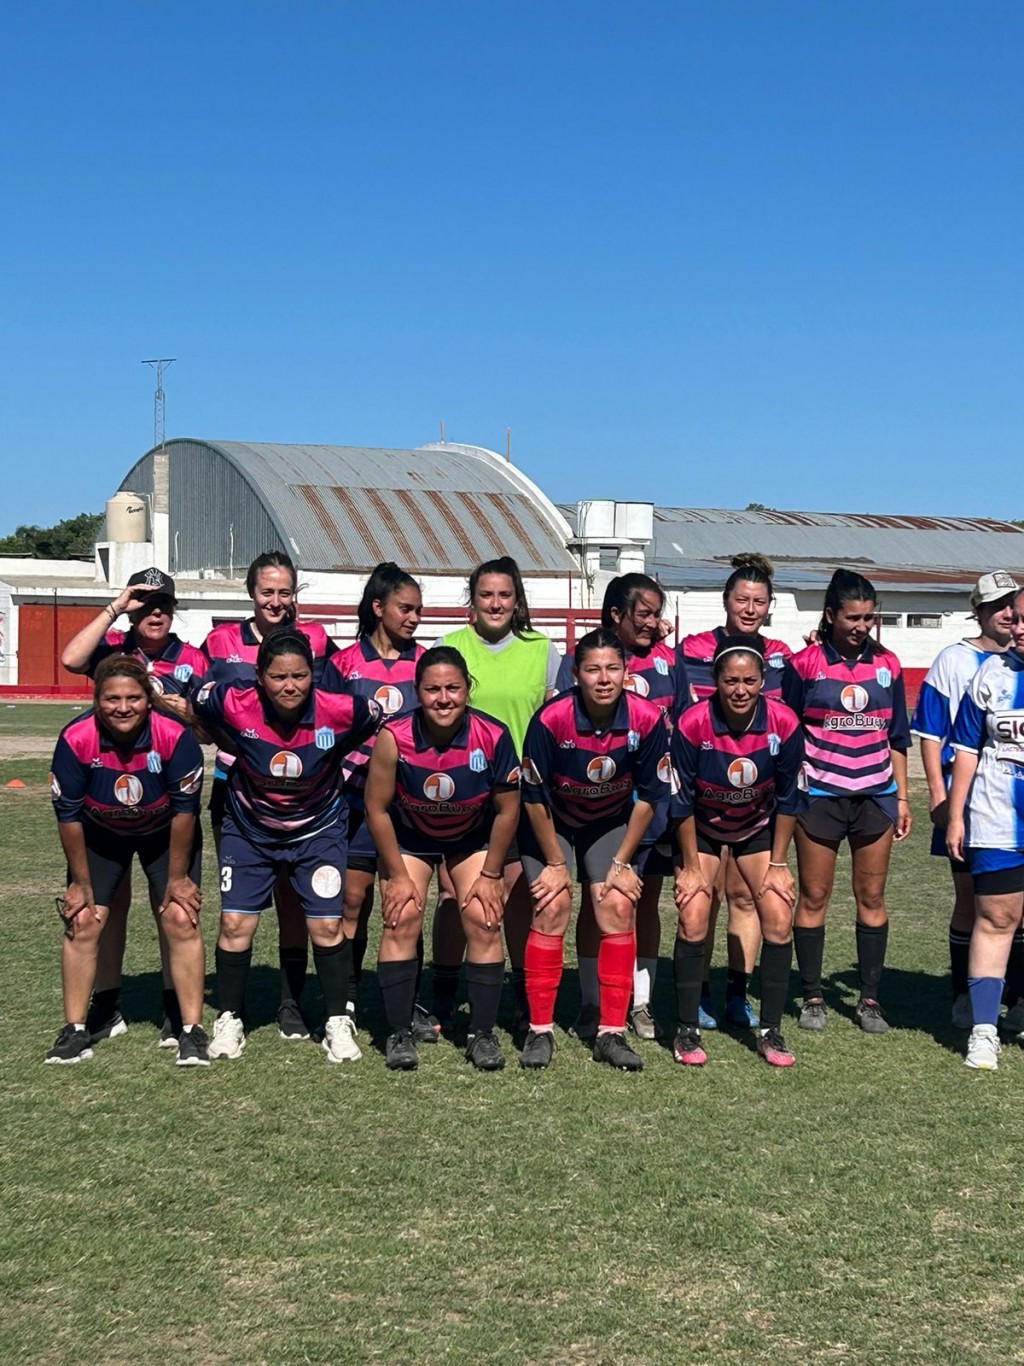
{"x": 437, "y": 510}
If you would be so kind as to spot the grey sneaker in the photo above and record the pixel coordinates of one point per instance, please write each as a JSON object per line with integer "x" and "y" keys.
{"x": 813, "y": 1015}
{"x": 870, "y": 1017}
{"x": 228, "y": 1036}
{"x": 584, "y": 1027}
{"x": 643, "y": 1024}
{"x": 339, "y": 1041}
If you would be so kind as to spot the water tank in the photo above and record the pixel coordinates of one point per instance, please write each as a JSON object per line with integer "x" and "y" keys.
{"x": 596, "y": 519}
{"x": 634, "y": 521}
{"x": 126, "y": 518}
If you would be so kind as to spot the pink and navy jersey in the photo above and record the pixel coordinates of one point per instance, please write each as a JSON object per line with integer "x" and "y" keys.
{"x": 586, "y": 775}
{"x": 444, "y": 797}
{"x": 360, "y": 671}
{"x": 698, "y": 652}
{"x": 734, "y": 783}
{"x": 171, "y": 671}
{"x": 659, "y": 675}
{"x": 285, "y": 784}
{"x": 129, "y": 792}
{"x": 854, "y": 712}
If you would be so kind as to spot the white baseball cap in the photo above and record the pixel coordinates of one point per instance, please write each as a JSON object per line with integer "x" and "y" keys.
{"x": 992, "y": 587}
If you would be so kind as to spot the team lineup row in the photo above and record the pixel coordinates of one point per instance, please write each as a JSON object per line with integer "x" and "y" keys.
{"x": 504, "y": 769}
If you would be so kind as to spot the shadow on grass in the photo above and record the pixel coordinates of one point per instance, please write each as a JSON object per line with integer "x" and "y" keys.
{"x": 912, "y": 1000}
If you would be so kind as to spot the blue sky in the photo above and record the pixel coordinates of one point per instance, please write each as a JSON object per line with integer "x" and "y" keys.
{"x": 698, "y": 253}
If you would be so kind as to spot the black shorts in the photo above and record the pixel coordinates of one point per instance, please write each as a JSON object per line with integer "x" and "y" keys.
{"x": 1000, "y": 881}
{"x": 758, "y": 843}
{"x": 939, "y": 850}
{"x": 655, "y": 860}
{"x": 110, "y": 855}
{"x": 830, "y": 820}
{"x": 588, "y": 851}
{"x": 217, "y": 804}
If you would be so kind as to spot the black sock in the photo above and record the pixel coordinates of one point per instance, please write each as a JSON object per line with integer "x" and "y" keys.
{"x": 398, "y": 987}
{"x": 776, "y": 961}
{"x": 688, "y": 968}
{"x": 809, "y": 943}
{"x": 1013, "y": 989}
{"x": 104, "y": 1004}
{"x": 484, "y": 982}
{"x": 705, "y": 989}
{"x": 232, "y": 975}
{"x": 419, "y": 963}
{"x": 358, "y": 954}
{"x": 446, "y": 987}
{"x": 736, "y": 984}
{"x": 959, "y": 948}
{"x": 172, "y": 1011}
{"x": 332, "y": 968}
{"x": 871, "y": 942}
{"x": 293, "y": 974}
{"x": 519, "y": 987}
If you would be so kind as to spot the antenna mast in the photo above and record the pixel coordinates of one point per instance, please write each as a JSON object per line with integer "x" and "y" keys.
{"x": 159, "y": 431}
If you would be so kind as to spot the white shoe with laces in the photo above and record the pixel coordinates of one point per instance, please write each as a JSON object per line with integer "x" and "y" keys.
{"x": 228, "y": 1036}
{"x": 339, "y": 1041}
{"x": 983, "y": 1049}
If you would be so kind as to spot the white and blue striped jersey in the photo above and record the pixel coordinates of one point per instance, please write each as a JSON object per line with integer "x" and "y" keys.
{"x": 990, "y": 723}
{"x": 944, "y": 685}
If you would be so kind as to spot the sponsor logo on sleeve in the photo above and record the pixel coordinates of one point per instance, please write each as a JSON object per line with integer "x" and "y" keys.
{"x": 324, "y": 737}
{"x": 636, "y": 683}
{"x": 439, "y": 787}
{"x": 156, "y": 683}
{"x": 666, "y": 772}
{"x": 530, "y": 774}
{"x": 153, "y": 762}
{"x": 514, "y": 776}
{"x": 54, "y": 788}
{"x": 128, "y": 790}
{"x": 204, "y": 693}
{"x": 193, "y": 781}
{"x": 477, "y": 761}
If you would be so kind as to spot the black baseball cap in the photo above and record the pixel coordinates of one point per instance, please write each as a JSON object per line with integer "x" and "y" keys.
{"x": 162, "y": 584}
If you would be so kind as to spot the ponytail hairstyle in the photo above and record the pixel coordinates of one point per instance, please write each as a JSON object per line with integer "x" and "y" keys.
{"x": 623, "y": 593}
{"x": 270, "y": 559}
{"x": 283, "y": 640}
{"x": 846, "y": 585}
{"x": 749, "y": 567}
{"x": 601, "y": 639}
{"x": 506, "y": 565}
{"x": 443, "y": 654}
{"x": 386, "y": 579}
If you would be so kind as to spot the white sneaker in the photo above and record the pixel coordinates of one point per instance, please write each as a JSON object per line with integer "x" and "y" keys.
{"x": 1012, "y": 1023}
{"x": 339, "y": 1041}
{"x": 962, "y": 1016}
{"x": 983, "y": 1048}
{"x": 228, "y": 1036}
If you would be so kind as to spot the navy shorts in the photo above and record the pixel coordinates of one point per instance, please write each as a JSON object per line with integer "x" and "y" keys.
{"x": 758, "y": 843}
{"x": 110, "y": 855}
{"x": 315, "y": 867}
{"x": 362, "y": 852}
{"x": 655, "y": 860}
{"x": 940, "y": 851}
{"x": 588, "y": 851}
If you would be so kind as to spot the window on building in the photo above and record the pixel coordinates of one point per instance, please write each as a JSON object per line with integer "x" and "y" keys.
{"x": 890, "y": 619}
{"x": 924, "y": 620}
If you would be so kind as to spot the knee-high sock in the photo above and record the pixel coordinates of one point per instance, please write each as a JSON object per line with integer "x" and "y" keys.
{"x": 809, "y": 943}
{"x": 776, "y": 961}
{"x": 333, "y": 966}
{"x": 232, "y": 975}
{"x": 688, "y": 966}
{"x": 484, "y": 982}
{"x": 543, "y": 966}
{"x": 398, "y": 987}
{"x": 871, "y": 942}
{"x": 616, "y": 955}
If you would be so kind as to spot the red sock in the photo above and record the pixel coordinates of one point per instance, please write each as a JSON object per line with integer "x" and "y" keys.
{"x": 543, "y": 963}
{"x": 615, "y": 959}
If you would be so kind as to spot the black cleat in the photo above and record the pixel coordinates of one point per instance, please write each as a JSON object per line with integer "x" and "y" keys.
{"x": 616, "y": 1052}
{"x": 483, "y": 1052}
{"x": 400, "y": 1052}
{"x": 193, "y": 1048}
{"x": 110, "y": 1028}
{"x": 538, "y": 1049}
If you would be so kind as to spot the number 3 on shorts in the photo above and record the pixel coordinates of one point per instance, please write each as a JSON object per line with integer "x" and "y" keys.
{"x": 225, "y": 878}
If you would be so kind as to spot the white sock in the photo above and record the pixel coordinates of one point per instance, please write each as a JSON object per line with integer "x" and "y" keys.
{"x": 644, "y": 971}
{"x": 590, "y": 992}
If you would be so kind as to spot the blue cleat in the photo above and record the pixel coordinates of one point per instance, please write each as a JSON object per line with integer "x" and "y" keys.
{"x": 739, "y": 1012}
{"x": 705, "y": 1019}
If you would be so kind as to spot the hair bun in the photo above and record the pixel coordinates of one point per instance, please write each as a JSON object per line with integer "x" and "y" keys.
{"x": 753, "y": 560}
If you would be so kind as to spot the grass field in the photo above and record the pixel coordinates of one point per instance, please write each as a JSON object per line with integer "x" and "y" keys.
{"x": 862, "y": 1207}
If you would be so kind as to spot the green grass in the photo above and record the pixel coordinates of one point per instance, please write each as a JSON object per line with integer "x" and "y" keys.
{"x": 862, "y": 1207}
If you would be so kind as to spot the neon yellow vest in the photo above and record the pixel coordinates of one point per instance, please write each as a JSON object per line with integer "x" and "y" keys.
{"x": 509, "y": 685}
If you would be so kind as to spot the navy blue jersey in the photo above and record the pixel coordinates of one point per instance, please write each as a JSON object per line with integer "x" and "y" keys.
{"x": 129, "y": 792}
{"x": 285, "y": 784}
{"x": 733, "y": 783}
{"x": 171, "y": 671}
{"x": 657, "y": 674}
{"x": 698, "y": 654}
{"x": 586, "y": 775}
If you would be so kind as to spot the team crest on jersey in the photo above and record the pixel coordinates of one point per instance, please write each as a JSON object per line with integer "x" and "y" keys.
{"x": 601, "y": 769}
{"x": 530, "y": 774}
{"x": 661, "y": 666}
{"x": 854, "y": 697}
{"x": 884, "y": 677}
{"x": 128, "y": 790}
{"x": 324, "y": 737}
{"x": 742, "y": 772}
{"x": 775, "y": 661}
{"x": 285, "y": 764}
{"x": 192, "y": 782}
{"x": 633, "y": 741}
{"x": 153, "y": 762}
{"x": 390, "y": 699}
{"x": 54, "y": 788}
{"x": 183, "y": 672}
{"x": 636, "y": 683}
{"x": 439, "y": 787}
{"x": 774, "y": 743}
{"x": 477, "y": 761}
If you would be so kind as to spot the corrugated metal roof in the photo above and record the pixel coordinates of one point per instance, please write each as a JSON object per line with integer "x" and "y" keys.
{"x": 436, "y": 510}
